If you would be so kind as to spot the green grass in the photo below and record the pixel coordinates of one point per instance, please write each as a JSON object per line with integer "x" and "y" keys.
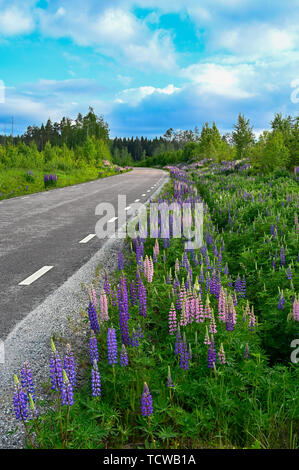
{"x": 15, "y": 182}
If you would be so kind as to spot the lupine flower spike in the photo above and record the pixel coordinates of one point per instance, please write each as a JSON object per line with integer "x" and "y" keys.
{"x": 112, "y": 346}
{"x": 69, "y": 365}
{"x": 20, "y": 401}
{"x": 67, "y": 396}
{"x": 146, "y": 402}
{"x": 95, "y": 380}
{"x": 55, "y": 369}
{"x": 123, "y": 357}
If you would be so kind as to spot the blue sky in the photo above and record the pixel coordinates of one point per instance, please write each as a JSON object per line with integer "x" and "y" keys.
{"x": 148, "y": 65}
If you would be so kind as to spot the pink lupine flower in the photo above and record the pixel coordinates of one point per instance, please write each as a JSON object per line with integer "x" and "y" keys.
{"x": 172, "y": 321}
{"x": 192, "y": 308}
{"x": 212, "y": 327}
{"x": 296, "y": 309}
{"x": 183, "y": 320}
{"x": 104, "y": 307}
{"x": 93, "y": 295}
{"x": 221, "y": 305}
{"x": 199, "y": 315}
{"x": 156, "y": 248}
{"x": 252, "y": 320}
{"x": 148, "y": 268}
{"x": 221, "y": 355}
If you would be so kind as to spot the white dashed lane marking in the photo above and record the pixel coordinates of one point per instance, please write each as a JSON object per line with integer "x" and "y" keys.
{"x": 29, "y": 280}
{"x": 89, "y": 237}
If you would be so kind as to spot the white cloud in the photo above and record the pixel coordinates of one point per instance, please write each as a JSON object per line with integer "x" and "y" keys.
{"x": 258, "y": 39}
{"x": 14, "y": 20}
{"x": 215, "y": 79}
{"x": 115, "y": 32}
{"x": 134, "y": 96}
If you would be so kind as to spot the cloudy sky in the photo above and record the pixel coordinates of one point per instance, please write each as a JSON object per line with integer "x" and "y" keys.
{"x": 148, "y": 65}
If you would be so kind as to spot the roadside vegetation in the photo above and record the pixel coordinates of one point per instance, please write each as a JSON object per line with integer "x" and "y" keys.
{"x": 72, "y": 152}
{"x": 187, "y": 349}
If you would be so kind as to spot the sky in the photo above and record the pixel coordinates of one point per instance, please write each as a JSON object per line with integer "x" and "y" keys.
{"x": 148, "y": 65}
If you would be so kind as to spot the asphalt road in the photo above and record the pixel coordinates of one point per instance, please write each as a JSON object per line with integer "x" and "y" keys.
{"x": 45, "y": 230}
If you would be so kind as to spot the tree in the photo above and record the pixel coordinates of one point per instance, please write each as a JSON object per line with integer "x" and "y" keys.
{"x": 242, "y": 136}
{"x": 270, "y": 153}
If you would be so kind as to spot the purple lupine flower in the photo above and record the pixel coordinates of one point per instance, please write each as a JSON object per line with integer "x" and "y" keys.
{"x": 134, "y": 339}
{"x": 93, "y": 348}
{"x": 93, "y": 318}
{"x": 123, "y": 357}
{"x": 55, "y": 369}
{"x": 139, "y": 332}
{"x": 112, "y": 346}
{"x": 246, "y": 353}
{"x": 212, "y": 355}
{"x": 146, "y": 402}
{"x": 120, "y": 261}
{"x": 114, "y": 298}
{"x": 20, "y": 401}
{"x": 27, "y": 381}
{"x": 142, "y": 300}
{"x": 133, "y": 293}
{"x": 242, "y": 292}
{"x": 289, "y": 273}
{"x": 281, "y": 301}
{"x": 177, "y": 341}
{"x": 67, "y": 393}
{"x": 184, "y": 354}
{"x": 123, "y": 312}
{"x": 106, "y": 284}
{"x": 95, "y": 380}
{"x": 69, "y": 365}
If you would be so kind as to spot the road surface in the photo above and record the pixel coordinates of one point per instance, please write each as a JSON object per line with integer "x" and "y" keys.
{"x": 46, "y": 237}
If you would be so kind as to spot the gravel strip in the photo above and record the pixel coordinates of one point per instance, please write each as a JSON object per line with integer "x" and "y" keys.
{"x": 60, "y": 315}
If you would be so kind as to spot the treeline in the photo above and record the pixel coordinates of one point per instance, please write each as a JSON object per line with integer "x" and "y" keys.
{"x": 71, "y": 133}
{"x": 276, "y": 148}
{"x": 86, "y": 141}
{"x": 127, "y": 151}
{"x": 60, "y": 146}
